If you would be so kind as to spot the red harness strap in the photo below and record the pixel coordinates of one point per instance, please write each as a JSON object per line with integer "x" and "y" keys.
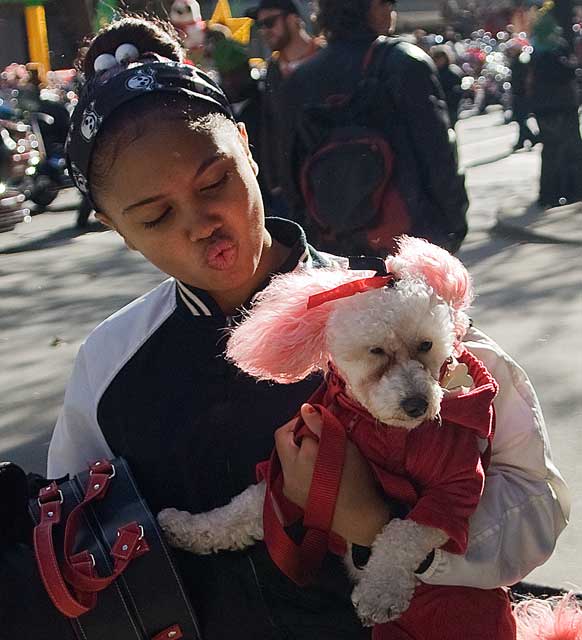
{"x": 301, "y": 561}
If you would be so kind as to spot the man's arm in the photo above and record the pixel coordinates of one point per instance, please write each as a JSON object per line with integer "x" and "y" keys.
{"x": 525, "y": 505}
{"x": 421, "y": 107}
{"x": 77, "y": 439}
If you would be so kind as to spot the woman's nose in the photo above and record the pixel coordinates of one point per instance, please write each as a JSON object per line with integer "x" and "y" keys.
{"x": 200, "y": 225}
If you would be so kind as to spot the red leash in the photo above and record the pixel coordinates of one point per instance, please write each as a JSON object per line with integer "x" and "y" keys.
{"x": 301, "y": 561}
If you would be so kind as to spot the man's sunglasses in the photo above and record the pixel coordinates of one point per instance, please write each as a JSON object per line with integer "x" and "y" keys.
{"x": 270, "y": 22}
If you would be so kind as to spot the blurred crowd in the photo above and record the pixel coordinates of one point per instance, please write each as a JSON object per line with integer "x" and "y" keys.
{"x": 535, "y": 78}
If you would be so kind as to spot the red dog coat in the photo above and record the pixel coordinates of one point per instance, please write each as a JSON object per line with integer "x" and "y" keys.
{"x": 436, "y": 470}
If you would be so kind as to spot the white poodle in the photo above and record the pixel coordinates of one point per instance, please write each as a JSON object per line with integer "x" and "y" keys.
{"x": 413, "y": 400}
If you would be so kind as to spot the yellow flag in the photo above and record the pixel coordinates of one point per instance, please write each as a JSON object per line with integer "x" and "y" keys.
{"x": 37, "y": 38}
{"x": 243, "y": 33}
{"x": 222, "y": 12}
{"x": 239, "y": 27}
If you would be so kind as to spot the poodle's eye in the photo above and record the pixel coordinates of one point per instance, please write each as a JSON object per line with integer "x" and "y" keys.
{"x": 425, "y": 346}
{"x": 377, "y": 351}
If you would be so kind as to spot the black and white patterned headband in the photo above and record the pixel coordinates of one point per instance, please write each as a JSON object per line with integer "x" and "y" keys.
{"x": 114, "y": 86}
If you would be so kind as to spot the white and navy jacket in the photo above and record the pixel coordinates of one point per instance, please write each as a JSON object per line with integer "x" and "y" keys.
{"x": 150, "y": 384}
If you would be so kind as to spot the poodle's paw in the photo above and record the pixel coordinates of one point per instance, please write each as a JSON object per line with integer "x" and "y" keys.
{"x": 171, "y": 523}
{"x": 167, "y": 519}
{"x": 380, "y": 600}
{"x": 186, "y": 531}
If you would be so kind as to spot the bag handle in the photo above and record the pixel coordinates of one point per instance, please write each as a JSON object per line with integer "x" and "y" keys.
{"x": 301, "y": 561}
{"x": 79, "y": 568}
{"x": 50, "y": 501}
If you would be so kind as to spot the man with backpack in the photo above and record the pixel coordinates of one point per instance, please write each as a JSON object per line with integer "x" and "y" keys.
{"x": 283, "y": 31}
{"x": 367, "y": 146}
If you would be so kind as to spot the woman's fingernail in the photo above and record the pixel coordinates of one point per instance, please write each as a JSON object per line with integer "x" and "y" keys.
{"x": 308, "y": 408}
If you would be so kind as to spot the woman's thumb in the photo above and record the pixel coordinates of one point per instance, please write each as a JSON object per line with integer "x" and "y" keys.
{"x": 312, "y": 419}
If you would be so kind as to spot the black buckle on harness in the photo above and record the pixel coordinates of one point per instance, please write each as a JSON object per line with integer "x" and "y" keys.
{"x": 368, "y": 263}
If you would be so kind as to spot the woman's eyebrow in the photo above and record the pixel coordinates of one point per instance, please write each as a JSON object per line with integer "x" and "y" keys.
{"x": 201, "y": 169}
{"x": 141, "y": 203}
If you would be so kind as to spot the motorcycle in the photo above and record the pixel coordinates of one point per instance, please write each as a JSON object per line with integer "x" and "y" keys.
{"x": 12, "y": 211}
{"x": 19, "y": 152}
{"x": 50, "y": 124}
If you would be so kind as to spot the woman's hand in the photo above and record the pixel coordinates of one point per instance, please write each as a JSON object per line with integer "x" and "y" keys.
{"x": 361, "y": 511}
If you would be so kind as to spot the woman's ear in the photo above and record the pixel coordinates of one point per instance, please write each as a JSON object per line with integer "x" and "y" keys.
{"x": 242, "y": 129}
{"x": 108, "y": 222}
{"x": 105, "y": 219}
{"x": 246, "y": 144}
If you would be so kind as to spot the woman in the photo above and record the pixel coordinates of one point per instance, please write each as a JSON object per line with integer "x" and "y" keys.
{"x": 155, "y": 147}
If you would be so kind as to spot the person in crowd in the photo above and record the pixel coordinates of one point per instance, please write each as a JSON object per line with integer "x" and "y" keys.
{"x": 213, "y": 35}
{"x": 555, "y": 106}
{"x": 411, "y": 113}
{"x": 422, "y": 39}
{"x": 283, "y": 30}
{"x": 520, "y": 65}
{"x": 169, "y": 169}
{"x": 450, "y": 77}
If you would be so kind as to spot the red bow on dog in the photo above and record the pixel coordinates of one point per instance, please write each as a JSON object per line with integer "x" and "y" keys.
{"x": 351, "y": 288}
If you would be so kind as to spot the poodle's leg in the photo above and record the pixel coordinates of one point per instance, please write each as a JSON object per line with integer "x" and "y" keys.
{"x": 386, "y": 584}
{"x": 237, "y": 525}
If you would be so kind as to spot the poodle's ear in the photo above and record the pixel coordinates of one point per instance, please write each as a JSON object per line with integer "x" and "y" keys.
{"x": 281, "y": 339}
{"x": 443, "y": 272}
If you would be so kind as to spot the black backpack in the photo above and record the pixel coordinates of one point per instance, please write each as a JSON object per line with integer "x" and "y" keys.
{"x": 346, "y": 177}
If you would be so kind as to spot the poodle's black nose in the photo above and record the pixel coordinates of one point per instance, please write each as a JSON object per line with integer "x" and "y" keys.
{"x": 414, "y": 406}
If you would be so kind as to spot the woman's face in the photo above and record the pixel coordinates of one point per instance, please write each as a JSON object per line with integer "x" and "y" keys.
{"x": 188, "y": 200}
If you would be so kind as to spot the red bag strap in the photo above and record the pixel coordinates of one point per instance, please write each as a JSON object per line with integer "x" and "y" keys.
{"x": 78, "y": 568}
{"x": 50, "y": 501}
{"x": 300, "y": 561}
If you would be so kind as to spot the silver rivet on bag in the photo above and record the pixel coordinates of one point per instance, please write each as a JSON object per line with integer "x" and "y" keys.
{"x": 96, "y": 486}
{"x": 50, "y": 514}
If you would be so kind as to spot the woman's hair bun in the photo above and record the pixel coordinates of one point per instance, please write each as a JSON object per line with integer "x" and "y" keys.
{"x": 147, "y": 34}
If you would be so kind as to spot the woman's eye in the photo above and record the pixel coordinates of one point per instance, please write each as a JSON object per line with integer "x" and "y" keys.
{"x": 217, "y": 184}
{"x": 425, "y": 347}
{"x": 377, "y": 351}
{"x": 154, "y": 223}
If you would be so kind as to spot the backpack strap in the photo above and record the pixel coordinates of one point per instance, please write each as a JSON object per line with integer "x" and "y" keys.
{"x": 372, "y": 80}
{"x": 377, "y": 54}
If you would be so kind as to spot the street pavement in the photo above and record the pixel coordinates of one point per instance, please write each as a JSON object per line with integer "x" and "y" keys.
{"x": 56, "y": 284}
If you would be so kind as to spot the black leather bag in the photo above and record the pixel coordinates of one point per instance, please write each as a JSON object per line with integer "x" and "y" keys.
{"x": 97, "y": 567}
